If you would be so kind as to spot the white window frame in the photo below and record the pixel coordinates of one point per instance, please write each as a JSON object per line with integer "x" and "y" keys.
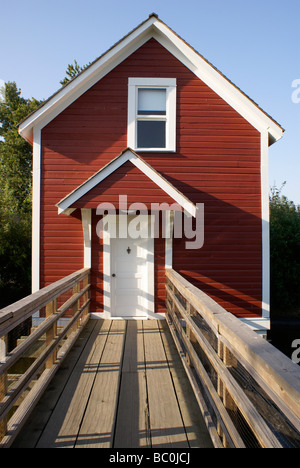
{"x": 134, "y": 84}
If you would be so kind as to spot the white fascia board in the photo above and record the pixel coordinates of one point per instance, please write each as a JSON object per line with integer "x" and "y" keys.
{"x": 128, "y": 155}
{"x": 218, "y": 83}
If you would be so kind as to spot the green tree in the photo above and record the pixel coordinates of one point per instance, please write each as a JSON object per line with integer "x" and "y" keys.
{"x": 15, "y": 195}
{"x": 284, "y": 253}
{"x": 72, "y": 71}
{"x": 15, "y": 190}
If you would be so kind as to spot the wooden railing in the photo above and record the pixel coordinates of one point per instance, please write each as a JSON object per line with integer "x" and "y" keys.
{"x": 36, "y": 334}
{"x": 248, "y": 391}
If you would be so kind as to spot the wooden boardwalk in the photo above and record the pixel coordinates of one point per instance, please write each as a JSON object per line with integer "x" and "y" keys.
{"x": 121, "y": 386}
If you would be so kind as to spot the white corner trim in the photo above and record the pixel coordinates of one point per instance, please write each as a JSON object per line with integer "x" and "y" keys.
{"x": 86, "y": 217}
{"x": 127, "y": 155}
{"x": 265, "y": 226}
{"x": 169, "y": 226}
{"x": 36, "y": 210}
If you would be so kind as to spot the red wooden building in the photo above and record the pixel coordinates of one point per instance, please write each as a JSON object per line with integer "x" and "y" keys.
{"x": 155, "y": 134}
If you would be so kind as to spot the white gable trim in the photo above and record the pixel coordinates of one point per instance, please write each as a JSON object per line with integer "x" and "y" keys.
{"x": 155, "y": 28}
{"x": 127, "y": 155}
{"x": 265, "y": 227}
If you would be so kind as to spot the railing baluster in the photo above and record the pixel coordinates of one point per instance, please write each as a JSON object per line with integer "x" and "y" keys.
{"x": 51, "y": 333}
{"x": 189, "y": 332}
{"x": 3, "y": 383}
{"x": 76, "y": 306}
{"x": 86, "y": 295}
{"x": 47, "y": 345}
{"x": 252, "y": 388}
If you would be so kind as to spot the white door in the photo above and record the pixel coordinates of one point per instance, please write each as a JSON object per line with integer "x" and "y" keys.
{"x": 132, "y": 277}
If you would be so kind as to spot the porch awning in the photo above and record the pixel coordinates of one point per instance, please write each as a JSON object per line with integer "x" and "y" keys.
{"x": 66, "y": 205}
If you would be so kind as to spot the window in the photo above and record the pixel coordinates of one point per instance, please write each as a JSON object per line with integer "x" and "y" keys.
{"x": 152, "y": 114}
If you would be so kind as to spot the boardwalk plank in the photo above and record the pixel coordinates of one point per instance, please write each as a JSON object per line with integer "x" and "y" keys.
{"x": 127, "y": 389}
{"x": 63, "y": 426}
{"x": 166, "y": 425}
{"x": 132, "y": 428}
{"x": 195, "y": 426}
{"x": 38, "y": 421}
{"x": 97, "y": 428}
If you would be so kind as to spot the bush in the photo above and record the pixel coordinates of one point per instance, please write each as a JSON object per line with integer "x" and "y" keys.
{"x": 284, "y": 253}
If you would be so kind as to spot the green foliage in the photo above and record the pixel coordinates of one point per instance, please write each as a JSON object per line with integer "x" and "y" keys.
{"x": 15, "y": 194}
{"x": 72, "y": 71}
{"x": 15, "y": 191}
{"x": 285, "y": 253}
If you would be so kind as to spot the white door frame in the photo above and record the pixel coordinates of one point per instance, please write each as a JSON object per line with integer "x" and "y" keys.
{"x": 107, "y": 274}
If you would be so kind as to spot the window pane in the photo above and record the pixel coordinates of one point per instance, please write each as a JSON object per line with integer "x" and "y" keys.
{"x": 151, "y": 101}
{"x": 151, "y": 134}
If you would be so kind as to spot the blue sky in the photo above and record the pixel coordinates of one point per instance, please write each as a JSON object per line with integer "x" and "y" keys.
{"x": 255, "y": 43}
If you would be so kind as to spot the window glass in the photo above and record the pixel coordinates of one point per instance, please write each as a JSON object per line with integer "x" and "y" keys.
{"x": 151, "y": 134}
{"x": 151, "y": 101}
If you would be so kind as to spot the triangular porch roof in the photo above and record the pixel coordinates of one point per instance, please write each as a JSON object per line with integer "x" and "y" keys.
{"x": 66, "y": 205}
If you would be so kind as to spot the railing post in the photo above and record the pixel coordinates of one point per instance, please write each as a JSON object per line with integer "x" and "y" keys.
{"x": 220, "y": 390}
{"x": 230, "y": 361}
{"x": 51, "y": 333}
{"x": 86, "y": 296}
{"x": 172, "y": 303}
{"x": 76, "y": 306}
{"x": 189, "y": 333}
{"x": 3, "y": 384}
{"x": 229, "y": 403}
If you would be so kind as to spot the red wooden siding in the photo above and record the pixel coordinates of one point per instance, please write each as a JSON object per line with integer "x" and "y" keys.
{"x": 127, "y": 180}
{"x": 217, "y": 162}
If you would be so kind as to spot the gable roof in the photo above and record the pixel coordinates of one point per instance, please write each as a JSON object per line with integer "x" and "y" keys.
{"x": 65, "y": 205}
{"x": 153, "y": 27}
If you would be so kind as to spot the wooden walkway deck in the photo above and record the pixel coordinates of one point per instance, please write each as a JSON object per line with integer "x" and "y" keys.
{"x": 121, "y": 386}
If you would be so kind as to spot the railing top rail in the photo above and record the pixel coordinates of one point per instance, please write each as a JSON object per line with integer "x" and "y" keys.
{"x": 273, "y": 367}
{"x": 17, "y": 312}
